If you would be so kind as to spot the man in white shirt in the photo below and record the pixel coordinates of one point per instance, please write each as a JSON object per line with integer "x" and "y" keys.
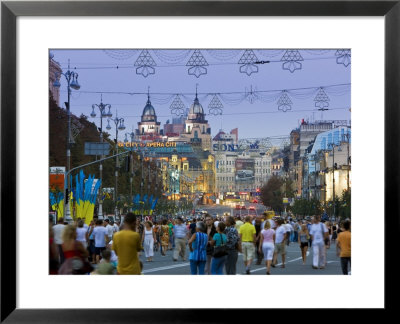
{"x": 58, "y": 232}
{"x": 280, "y": 247}
{"x": 318, "y": 233}
{"x": 181, "y": 233}
{"x": 109, "y": 228}
{"x": 100, "y": 235}
{"x": 116, "y": 226}
{"x": 289, "y": 230}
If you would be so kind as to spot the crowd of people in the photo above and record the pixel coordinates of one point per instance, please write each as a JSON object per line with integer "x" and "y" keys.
{"x": 108, "y": 247}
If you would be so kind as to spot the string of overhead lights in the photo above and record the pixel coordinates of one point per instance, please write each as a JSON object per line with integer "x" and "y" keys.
{"x": 282, "y": 97}
{"x": 198, "y": 61}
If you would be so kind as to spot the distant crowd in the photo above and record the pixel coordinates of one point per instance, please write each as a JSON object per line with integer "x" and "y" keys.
{"x": 214, "y": 243}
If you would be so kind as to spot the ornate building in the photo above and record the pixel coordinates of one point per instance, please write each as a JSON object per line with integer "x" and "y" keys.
{"x": 148, "y": 127}
{"x": 197, "y": 130}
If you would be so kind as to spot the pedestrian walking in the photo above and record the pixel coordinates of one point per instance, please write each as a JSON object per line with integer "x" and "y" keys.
{"x": 280, "y": 245}
{"x": 267, "y": 245}
{"x": 171, "y": 235}
{"x": 91, "y": 248}
{"x": 197, "y": 246}
{"x": 247, "y": 234}
{"x": 109, "y": 228}
{"x": 334, "y": 233}
{"x": 156, "y": 229}
{"x": 100, "y": 236}
{"x": 164, "y": 232}
{"x": 343, "y": 247}
{"x": 318, "y": 233}
{"x": 82, "y": 234}
{"x": 233, "y": 245}
{"x": 148, "y": 239}
{"x": 126, "y": 244}
{"x": 58, "y": 230}
{"x": 289, "y": 230}
{"x": 75, "y": 254}
{"x": 303, "y": 242}
{"x": 210, "y": 230}
{"x": 259, "y": 252}
{"x": 219, "y": 240}
{"x": 181, "y": 232}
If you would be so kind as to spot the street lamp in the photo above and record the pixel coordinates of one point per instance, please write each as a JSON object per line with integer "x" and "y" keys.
{"x": 119, "y": 125}
{"x": 347, "y": 138}
{"x": 333, "y": 145}
{"x": 132, "y": 135}
{"x": 102, "y": 108}
{"x": 72, "y": 82}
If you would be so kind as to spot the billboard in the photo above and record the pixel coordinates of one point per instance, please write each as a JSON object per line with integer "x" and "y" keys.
{"x": 244, "y": 171}
{"x": 57, "y": 178}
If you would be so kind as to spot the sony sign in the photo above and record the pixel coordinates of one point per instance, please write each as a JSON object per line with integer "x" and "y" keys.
{"x": 225, "y": 147}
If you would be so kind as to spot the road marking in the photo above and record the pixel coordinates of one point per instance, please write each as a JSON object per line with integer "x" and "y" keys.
{"x": 275, "y": 265}
{"x": 166, "y": 267}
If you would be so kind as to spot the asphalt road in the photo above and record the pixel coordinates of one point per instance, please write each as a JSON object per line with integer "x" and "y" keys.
{"x": 164, "y": 265}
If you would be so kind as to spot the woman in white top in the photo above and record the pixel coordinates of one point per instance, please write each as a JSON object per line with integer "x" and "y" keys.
{"x": 148, "y": 239}
{"x": 82, "y": 234}
{"x": 267, "y": 244}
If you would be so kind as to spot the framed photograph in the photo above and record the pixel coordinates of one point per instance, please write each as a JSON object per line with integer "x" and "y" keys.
{"x": 254, "y": 69}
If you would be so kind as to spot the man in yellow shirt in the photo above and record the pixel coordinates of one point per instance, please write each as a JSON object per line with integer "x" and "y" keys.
{"x": 126, "y": 245}
{"x": 247, "y": 234}
{"x": 343, "y": 247}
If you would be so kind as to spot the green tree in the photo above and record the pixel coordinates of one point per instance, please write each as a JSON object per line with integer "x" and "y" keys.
{"x": 272, "y": 194}
{"x": 344, "y": 205}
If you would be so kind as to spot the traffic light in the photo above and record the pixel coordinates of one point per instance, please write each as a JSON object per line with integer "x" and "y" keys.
{"x": 66, "y": 195}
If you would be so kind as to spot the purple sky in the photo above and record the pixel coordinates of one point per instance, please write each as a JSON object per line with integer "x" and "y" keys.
{"x": 257, "y": 119}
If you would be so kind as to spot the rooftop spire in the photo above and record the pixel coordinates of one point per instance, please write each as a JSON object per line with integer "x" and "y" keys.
{"x": 148, "y": 94}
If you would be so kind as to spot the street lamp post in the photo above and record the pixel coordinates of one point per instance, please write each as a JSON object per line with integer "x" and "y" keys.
{"x": 119, "y": 125}
{"x": 347, "y": 137}
{"x": 102, "y": 108}
{"x": 72, "y": 82}
{"x": 332, "y": 145}
{"x": 132, "y": 135}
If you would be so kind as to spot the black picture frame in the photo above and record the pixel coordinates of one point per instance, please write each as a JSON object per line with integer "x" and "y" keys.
{"x": 10, "y": 10}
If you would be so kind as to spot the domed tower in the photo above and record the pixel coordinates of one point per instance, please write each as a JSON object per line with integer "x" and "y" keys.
{"x": 148, "y": 124}
{"x": 197, "y": 129}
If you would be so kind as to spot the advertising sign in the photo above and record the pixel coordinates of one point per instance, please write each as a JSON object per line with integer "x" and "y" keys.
{"x": 57, "y": 178}
{"x": 244, "y": 171}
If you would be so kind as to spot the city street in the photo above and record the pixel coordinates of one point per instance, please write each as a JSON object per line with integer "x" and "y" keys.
{"x": 164, "y": 265}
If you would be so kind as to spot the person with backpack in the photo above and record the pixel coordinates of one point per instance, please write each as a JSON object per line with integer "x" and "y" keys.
{"x": 220, "y": 250}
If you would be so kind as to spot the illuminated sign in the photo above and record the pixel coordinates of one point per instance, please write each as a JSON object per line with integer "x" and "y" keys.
{"x": 150, "y": 144}
{"x": 225, "y": 147}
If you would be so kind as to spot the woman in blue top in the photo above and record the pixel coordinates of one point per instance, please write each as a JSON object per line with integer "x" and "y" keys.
{"x": 197, "y": 246}
{"x": 219, "y": 238}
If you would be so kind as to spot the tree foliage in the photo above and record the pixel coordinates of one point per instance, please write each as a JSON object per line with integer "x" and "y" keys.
{"x": 303, "y": 207}
{"x": 272, "y": 193}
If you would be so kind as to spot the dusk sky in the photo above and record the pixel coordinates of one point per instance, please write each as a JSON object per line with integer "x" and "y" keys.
{"x": 261, "y": 118}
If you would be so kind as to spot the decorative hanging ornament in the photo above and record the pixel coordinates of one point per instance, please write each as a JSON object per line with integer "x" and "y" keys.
{"x": 197, "y": 63}
{"x": 251, "y": 95}
{"x": 248, "y": 59}
{"x": 321, "y": 100}
{"x": 343, "y": 57}
{"x": 292, "y": 60}
{"x": 177, "y": 106}
{"x": 215, "y": 106}
{"x": 145, "y": 64}
{"x": 284, "y": 102}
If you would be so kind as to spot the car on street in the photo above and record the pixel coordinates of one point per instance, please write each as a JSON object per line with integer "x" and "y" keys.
{"x": 237, "y": 207}
{"x": 243, "y": 207}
